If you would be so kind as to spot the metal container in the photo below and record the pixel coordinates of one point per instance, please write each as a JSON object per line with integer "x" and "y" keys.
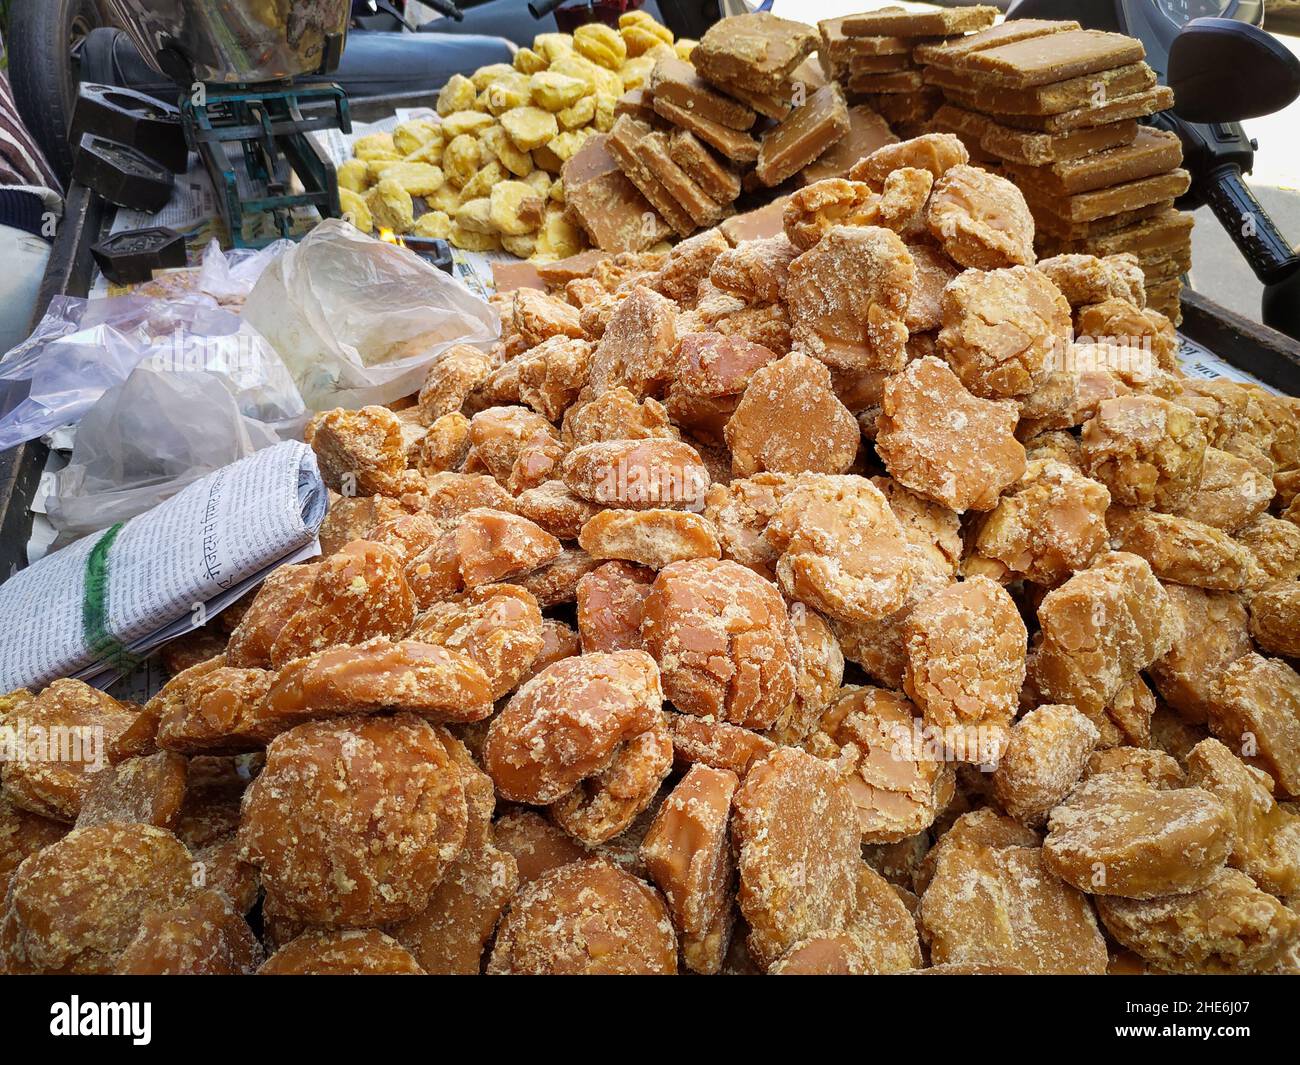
{"x": 236, "y": 41}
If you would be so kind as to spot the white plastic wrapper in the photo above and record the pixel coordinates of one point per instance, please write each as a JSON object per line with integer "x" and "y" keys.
{"x": 358, "y": 321}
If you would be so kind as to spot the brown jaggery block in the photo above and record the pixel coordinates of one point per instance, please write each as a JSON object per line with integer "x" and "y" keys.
{"x": 360, "y": 452}
{"x": 1030, "y": 148}
{"x": 733, "y": 144}
{"x": 724, "y": 642}
{"x": 560, "y": 272}
{"x": 820, "y": 674}
{"x": 1116, "y": 837}
{"x": 22, "y": 834}
{"x": 812, "y": 210}
{"x": 1275, "y": 544}
{"x": 867, "y": 132}
{"x": 1051, "y": 524}
{"x": 55, "y": 778}
{"x": 148, "y": 790}
{"x": 600, "y": 198}
{"x": 798, "y": 846}
{"x": 1128, "y": 717}
{"x": 863, "y": 63}
{"x": 1275, "y": 618}
{"x": 1215, "y": 635}
{"x": 687, "y": 853}
{"x": 203, "y": 936}
{"x": 841, "y": 549}
{"x": 354, "y": 821}
{"x": 1100, "y": 628}
{"x": 885, "y": 82}
{"x": 74, "y": 906}
{"x": 550, "y": 376}
{"x": 756, "y": 51}
{"x": 903, "y": 23}
{"x": 1183, "y": 550}
{"x": 740, "y": 512}
{"x": 1041, "y": 60}
{"x": 653, "y": 538}
{"x": 590, "y": 918}
{"x": 703, "y": 741}
{"x": 652, "y": 473}
{"x": 553, "y": 507}
{"x": 1001, "y": 903}
{"x": 1044, "y": 758}
{"x": 1147, "y": 451}
{"x": 818, "y": 433}
{"x": 687, "y": 265}
{"x": 635, "y": 102}
{"x": 951, "y": 51}
{"x": 557, "y": 581}
{"x": 1115, "y": 109}
{"x": 452, "y": 495}
{"x": 1257, "y": 716}
{"x": 559, "y": 640}
{"x": 1086, "y": 280}
{"x": 500, "y": 434}
{"x": 450, "y": 379}
{"x": 674, "y": 80}
{"x": 934, "y": 152}
{"x": 934, "y": 271}
{"x": 838, "y": 48}
{"x": 219, "y": 867}
{"x": 713, "y": 369}
{"x": 1107, "y": 202}
{"x": 1139, "y": 765}
{"x": 717, "y": 181}
{"x": 1227, "y": 927}
{"x": 927, "y": 420}
{"x": 981, "y": 220}
{"x": 636, "y": 350}
{"x": 1089, "y": 90}
{"x": 610, "y": 601}
{"x": 703, "y": 210}
{"x": 350, "y": 952}
{"x": 1162, "y": 234}
{"x": 348, "y": 519}
{"x": 568, "y": 722}
{"x": 1053, "y": 228}
{"x": 933, "y": 531}
{"x": 802, "y": 137}
{"x": 1152, "y": 153}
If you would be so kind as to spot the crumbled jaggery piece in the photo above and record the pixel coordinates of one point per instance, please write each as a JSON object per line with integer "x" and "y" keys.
{"x": 980, "y": 219}
{"x": 635, "y": 350}
{"x": 1128, "y": 716}
{"x": 354, "y": 821}
{"x": 1275, "y": 618}
{"x": 485, "y": 547}
{"x": 812, "y": 210}
{"x": 22, "y": 834}
{"x": 360, "y": 452}
{"x": 586, "y": 918}
{"x": 536, "y": 844}
{"x": 1146, "y": 450}
{"x": 1001, "y": 329}
{"x": 348, "y": 519}
{"x": 1214, "y": 635}
{"x": 927, "y": 432}
{"x": 898, "y": 788}
{"x": 1183, "y": 550}
{"x": 148, "y": 790}
{"x": 554, "y": 508}
{"x": 552, "y": 374}
{"x": 569, "y": 722}
{"x": 818, "y": 677}
{"x": 740, "y": 511}
{"x": 610, "y": 600}
{"x": 75, "y": 906}
{"x": 798, "y": 848}
{"x": 350, "y": 952}
{"x": 936, "y": 153}
{"x": 687, "y": 265}
{"x": 449, "y": 495}
{"x": 756, "y": 271}
{"x": 1228, "y": 926}
{"x": 841, "y": 550}
{"x": 789, "y": 420}
{"x": 1100, "y": 628}
{"x": 637, "y": 474}
{"x": 1232, "y": 493}
{"x": 499, "y": 434}
{"x": 1256, "y": 713}
{"x": 615, "y": 415}
{"x": 537, "y": 317}
{"x": 219, "y": 868}
{"x": 450, "y": 379}
{"x": 444, "y": 446}
{"x": 1140, "y": 765}
{"x": 72, "y": 726}
{"x": 557, "y": 581}
{"x": 934, "y": 271}
{"x": 723, "y": 641}
{"x": 202, "y": 936}
{"x": 409, "y": 534}
{"x": 704, "y": 741}
{"x": 1049, "y": 525}
{"x": 848, "y": 296}
{"x": 983, "y": 827}
{"x": 1113, "y": 836}
{"x": 1088, "y": 279}
{"x": 653, "y": 538}
{"x": 712, "y": 373}
{"x": 1275, "y": 543}
{"x": 1045, "y": 755}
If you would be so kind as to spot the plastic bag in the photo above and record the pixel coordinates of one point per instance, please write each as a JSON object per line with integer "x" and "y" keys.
{"x": 229, "y": 276}
{"x": 358, "y": 321}
{"x": 144, "y": 441}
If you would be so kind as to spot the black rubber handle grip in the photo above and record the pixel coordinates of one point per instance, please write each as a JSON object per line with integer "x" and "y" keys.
{"x": 447, "y": 9}
{"x": 541, "y": 8}
{"x": 1269, "y": 253}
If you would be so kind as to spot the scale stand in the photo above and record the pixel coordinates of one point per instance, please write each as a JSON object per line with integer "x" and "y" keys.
{"x": 267, "y": 123}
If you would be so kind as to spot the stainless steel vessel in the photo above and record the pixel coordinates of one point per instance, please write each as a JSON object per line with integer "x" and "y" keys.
{"x": 236, "y": 41}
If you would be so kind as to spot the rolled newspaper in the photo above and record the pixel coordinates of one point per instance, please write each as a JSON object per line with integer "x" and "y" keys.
{"x": 94, "y": 609}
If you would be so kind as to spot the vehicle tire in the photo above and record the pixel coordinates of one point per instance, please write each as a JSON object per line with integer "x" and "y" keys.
{"x": 43, "y": 71}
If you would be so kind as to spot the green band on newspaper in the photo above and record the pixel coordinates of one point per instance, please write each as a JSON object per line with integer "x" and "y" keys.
{"x": 94, "y": 602}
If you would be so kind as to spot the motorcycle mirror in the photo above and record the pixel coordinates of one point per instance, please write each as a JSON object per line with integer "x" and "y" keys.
{"x": 1222, "y": 70}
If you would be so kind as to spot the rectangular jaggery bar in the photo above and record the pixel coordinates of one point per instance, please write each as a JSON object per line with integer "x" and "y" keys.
{"x": 1040, "y": 149}
{"x": 559, "y": 273}
{"x": 676, "y": 81}
{"x": 625, "y": 144}
{"x": 635, "y": 102}
{"x": 801, "y": 138}
{"x": 904, "y": 23}
{"x": 686, "y": 150}
{"x": 1115, "y": 109}
{"x": 949, "y": 52}
{"x": 898, "y": 107}
{"x": 732, "y": 143}
{"x": 868, "y": 131}
{"x": 1152, "y": 152}
{"x": 599, "y": 197}
{"x": 880, "y": 64}
{"x": 1052, "y": 57}
{"x": 1165, "y": 233}
{"x": 897, "y": 82}
{"x": 1106, "y": 202}
{"x": 681, "y": 187}
{"x": 758, "y": 224}
{"x": 1090, "y": 90}
{"x": 1048, "y": 224}
{"x": 757, "y": 51}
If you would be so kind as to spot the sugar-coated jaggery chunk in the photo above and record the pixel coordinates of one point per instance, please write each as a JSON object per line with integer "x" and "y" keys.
{"x": 1257, "y": 715}
{"x": 1227, "y": 927}
{"x": 589, "y": 918}
{"x": 1045, "y": 755}
{"x": 1002, "y": 904}
{"x": 687, "y": 853}
{"x": 569, "y": 722}
{"x": 219, "y": 868}
{"x": 1049, "y": 525}
{"x": 940, "y": 441}
{"x": 1128, "y": 716}
{"x": 498, "y": 626}
{"x": 1100, "y": 628}
{"x": 635, "y": 350}
{"x": 213, "y": 708}
{"x": 1214, "y": 635}
{"x": 203, "y": 936}
{"x": 451, "y": 494}
{"x": 493, "y": 546}
{"x": 1146, "y": 450}
{"x": 408, "y": 535}
{"x": 643, "y": 474}
{"x": 22, "y": 834}
{"x": 1275, "y": 618}
{"x": 537, "y": 316}
{"x": 789, "y": 420}
{"x": 756, "y": 271}
{"x": 609, "y": 603}
{"x": 704, "y": 741}
{"x": 536, "y": 844}
{"x": 148, "y": 790}
{"x": 356, "y": 593}
{"x": 740, "y": 511}
{"x": 1266, "y": 837}
{"x": 444, "y": 446}
{"x": 712, "y": 373}
{"x": 1183, "y": 550}
{"x": 898, "y": 787}
{"x": 819, "y": 674}
{"x": 966, "y": 656}
{"x": 353, "y": 822}
{"x": 1089, "y": 279}
{"x": 1232, "y": 493}
{"x": 360, "y": 452}
{"x": 552, "y": 374}
{"x": 75, "y": 906}
{"x": 811, "y": 211}
{"x": 936, "y": 153}
{"x": 687, "y": 265}
{"x": 450, "y": 379}
{"x": 653, "y": 538}
{"x": 981, "y": 220}
{"x": 1113, "y": 836}
{"x": 350, "y": 952}
{"x": 983, "y": 827}
{"x": 847, "y": 297}
{"x": 554, "y": 508}
{"x": 557, "y": 581}
{"x": 615, "y": 415}
{"x": 277, "y": 600}
{"x": 1139, "y": 765}
{"x": 499, "y": 434}
{"x": 798, "y": 847}
{"x": 1002, "y": 329}
{"x": 1275, "y": 543}
{"x": 53, "y": 783}
{"x": 724, "y": 642}
{"x": 841, "y": 550}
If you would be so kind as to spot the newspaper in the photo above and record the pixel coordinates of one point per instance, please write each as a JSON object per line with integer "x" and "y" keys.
{"x": 1199, "y": 361}
{"x": 93, "y": 609}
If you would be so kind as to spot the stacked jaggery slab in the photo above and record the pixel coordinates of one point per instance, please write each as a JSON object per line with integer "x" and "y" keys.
{"x": 870, "y": 55}
{"x": 1057, "y": 108}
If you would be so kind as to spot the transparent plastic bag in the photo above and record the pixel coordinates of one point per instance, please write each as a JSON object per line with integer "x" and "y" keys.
{"x": 229, "y": 276}
{"x": 358, "y": 321}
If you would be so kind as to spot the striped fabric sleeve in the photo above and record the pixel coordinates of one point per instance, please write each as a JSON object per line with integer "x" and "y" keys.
{"x": 21, "y": 161}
